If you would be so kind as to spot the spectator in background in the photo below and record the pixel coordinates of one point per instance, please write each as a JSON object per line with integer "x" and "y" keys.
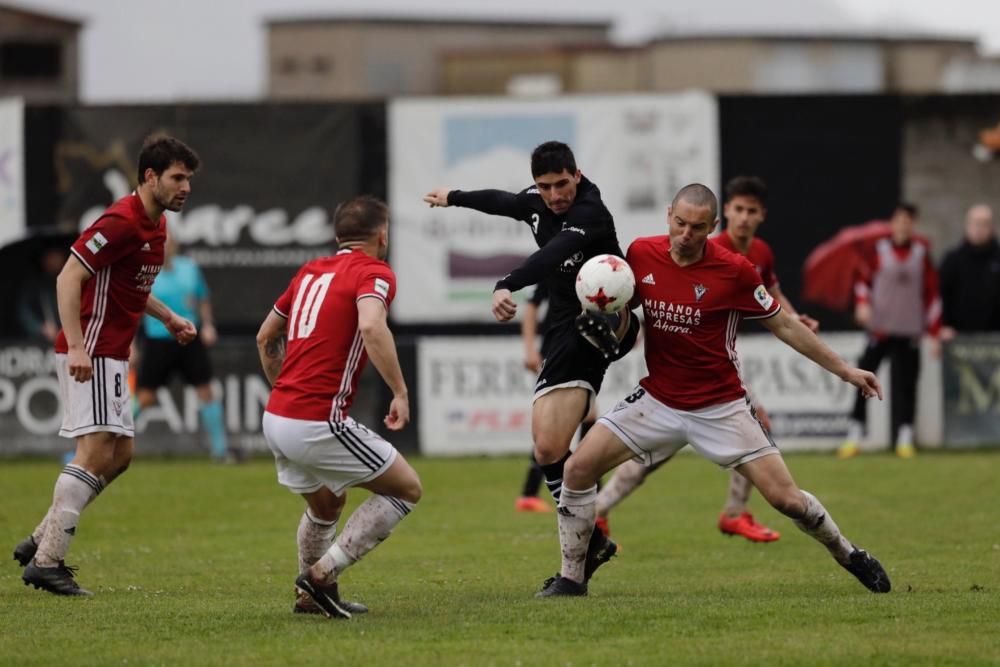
{"x": 37, "y": 308}
{"x": 182, "y": 287}
{"x": 970, "y": 278}
{"x": 897, "y": 302}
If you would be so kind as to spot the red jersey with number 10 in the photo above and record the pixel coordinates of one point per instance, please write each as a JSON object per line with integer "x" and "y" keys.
{"x": 325, "y": 354}
{"x": 692, "y": 314}
{"x": 123, "y": 250}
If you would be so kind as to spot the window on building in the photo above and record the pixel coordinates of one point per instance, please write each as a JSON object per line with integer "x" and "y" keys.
{"x": 288, "y": 65}
{"x": 322, "y": 65}
{"x": 30, "y": 60}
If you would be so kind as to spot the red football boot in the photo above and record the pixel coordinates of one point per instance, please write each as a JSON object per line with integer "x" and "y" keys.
{"x": 531, "y": 504}
{"x": 745, "y": 525}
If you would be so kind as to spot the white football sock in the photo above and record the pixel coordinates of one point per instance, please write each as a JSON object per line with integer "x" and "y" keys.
{"x": 314, "y": 538}
{"x": 905, "y": 435}
{"x": 626, "y": 478}
{"x": 577, "y": 510}
{"x": 39, "y": 530}
{"x": 739, "y": 494}
{"x": 818, "y": 524}
{"x": 370, "y": 524}
{"x": 74, "y": 490}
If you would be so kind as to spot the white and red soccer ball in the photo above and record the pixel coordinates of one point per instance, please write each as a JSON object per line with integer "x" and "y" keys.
{"x": 605, "y": 284}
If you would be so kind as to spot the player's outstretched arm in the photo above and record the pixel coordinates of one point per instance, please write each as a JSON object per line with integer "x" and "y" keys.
{"x": 437, "y": 197}
{"x": 269, "y": 345}
{"x": 69, "y": 286}
{"x": 180, "y": 328}
{"x": 494, "y": 202}
{"x": 786, "y": 305}
{"x": 381, "y": 347}
{"x": 796, "y": 335}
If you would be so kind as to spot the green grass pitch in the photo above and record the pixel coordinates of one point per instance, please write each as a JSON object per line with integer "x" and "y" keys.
{"x": 193, "y": 564}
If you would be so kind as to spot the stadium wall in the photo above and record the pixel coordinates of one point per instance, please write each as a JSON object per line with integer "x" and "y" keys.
{"x": 273, "y": 174}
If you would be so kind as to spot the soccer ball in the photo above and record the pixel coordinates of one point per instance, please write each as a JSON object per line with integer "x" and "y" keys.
{"x": 605, "y": 284}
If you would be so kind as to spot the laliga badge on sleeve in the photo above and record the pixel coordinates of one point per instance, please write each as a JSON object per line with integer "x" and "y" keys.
{"x": 96, "y": 242}
{"x": 763, "y": 297}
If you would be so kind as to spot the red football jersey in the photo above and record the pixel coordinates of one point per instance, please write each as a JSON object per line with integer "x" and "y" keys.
{"x": 692, "y": 314}
{"x": 759, "y": 254}
{"x": 123, "y": 250}
{"x": 325, "y": 354}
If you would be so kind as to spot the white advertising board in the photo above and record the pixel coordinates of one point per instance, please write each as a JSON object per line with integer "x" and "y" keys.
{"x": 475, "y": 395}
{"x": 638, "y": 149}
{"x": 11, "y": 170}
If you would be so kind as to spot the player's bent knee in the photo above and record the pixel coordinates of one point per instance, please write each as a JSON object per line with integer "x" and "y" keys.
{"x": 548, "y": 450}
{"x": 579, "y": 473}
{"x": 789, "y": 502}
{"x": 412, "y": 491}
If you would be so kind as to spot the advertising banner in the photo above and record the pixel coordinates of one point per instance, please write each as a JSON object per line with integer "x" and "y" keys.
{"x": 11, "y": 169}
{"x": 638, "y": 149}
{"x": 475, "y": 395}
{"x": 971, "y": 379}
{"x": 261, "y": 204}
{"x": 805, "y": 402}
{"x": 31, "y": 412}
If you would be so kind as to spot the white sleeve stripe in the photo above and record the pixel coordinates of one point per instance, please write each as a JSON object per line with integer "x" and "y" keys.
{"x": 372, "y": 295}
{"x": 761, "y": 317}
{"x": 278, "y": 312}
{"x": 82, "y": 261}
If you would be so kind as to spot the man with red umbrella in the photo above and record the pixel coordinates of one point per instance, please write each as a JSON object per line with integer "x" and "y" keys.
{"x": 897, "y": 302}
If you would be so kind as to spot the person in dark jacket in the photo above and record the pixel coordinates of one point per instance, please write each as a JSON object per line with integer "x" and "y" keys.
{"x": 970, "y": 278}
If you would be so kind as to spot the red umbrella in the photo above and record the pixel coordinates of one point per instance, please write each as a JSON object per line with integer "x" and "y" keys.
{"x": 830, "y": 270}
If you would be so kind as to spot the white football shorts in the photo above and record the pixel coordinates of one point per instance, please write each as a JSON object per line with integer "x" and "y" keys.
{"x": 103, "y": 404}
{"x": 727, "y": 434}
{"x": 313, "y": 454}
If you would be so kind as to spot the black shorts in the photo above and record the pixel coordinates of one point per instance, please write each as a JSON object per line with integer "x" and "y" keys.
{"x": 162, "y": 357}
{"x": 569, "y": 361}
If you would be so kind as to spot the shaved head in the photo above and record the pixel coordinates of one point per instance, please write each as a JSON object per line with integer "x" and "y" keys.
{"x": 699, "y": 196}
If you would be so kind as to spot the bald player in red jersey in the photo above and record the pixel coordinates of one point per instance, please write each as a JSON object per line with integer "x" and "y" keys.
{"x": 334, "y": 314}
{"x": 102, "y": 292}
{"x": 698, "y": 294}
{"x": 745, "y": 209}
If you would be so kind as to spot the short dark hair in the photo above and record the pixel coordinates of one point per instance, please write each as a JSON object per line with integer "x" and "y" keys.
{"x": 698, "y": 195}
{"x": 747, "y": 186}
{"x": 552, "y": 157}
{"x": 360, "y": 218}
{"x": 159, "y": 151}
{"x": 907, "y": 207}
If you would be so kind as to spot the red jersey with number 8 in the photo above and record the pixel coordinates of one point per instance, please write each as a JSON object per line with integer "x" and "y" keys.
{"x": 325, "y": 355}
{"x": 123, "y": 251}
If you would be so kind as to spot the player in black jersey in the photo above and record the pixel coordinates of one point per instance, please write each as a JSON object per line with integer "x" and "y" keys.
{"x": 570, "y": 224}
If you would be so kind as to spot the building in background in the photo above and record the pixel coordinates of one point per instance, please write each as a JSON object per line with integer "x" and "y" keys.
{"x": 358, "y": 57}
{"x": 729, "y": 63}
{"x": 39, "y": 56}
{"x": 351, "y": 57}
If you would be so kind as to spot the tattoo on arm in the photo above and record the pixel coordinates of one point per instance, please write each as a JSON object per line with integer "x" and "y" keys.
{"x": 275, "y": 348}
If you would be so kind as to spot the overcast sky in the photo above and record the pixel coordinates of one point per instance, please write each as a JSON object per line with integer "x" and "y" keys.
{"x": 140, "y": 50}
